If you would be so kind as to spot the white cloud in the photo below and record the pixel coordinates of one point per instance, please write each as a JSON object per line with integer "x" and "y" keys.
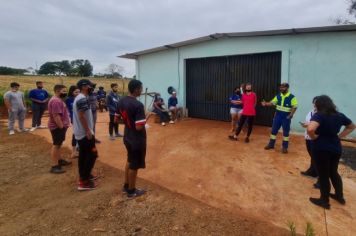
{"x": 48, "y": 30}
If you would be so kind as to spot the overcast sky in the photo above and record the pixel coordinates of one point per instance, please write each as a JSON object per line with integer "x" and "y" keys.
{"x": 99, "y": 30}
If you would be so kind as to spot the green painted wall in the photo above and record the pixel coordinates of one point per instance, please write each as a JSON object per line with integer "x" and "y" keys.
{"x": 313, "y": 64}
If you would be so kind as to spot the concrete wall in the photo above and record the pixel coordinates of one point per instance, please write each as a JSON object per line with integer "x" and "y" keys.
{"x": 313, "y": 64}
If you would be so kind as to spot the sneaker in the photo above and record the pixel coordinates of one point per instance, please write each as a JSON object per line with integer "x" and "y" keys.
{"x": 97, "y": 141}
{"x": 309, "y": 173}
{"x": 125, "y": 189}
{"x": 320, "y": 202}
{"x": 33, "y": 129}
{"x": 57, "y": 170}
{"x": 163, "y": 124}
{"x": 268, "y": 147}
{"x": 86, "y": 185}
{"x": 341, "y": 200}
{"x": 118, "y": 135}
{"x": 63, "y": 162}
{"x": 232, "y": 137}
{"x": 42, "y": 127}
{"x": 284, "y": 150}
{"x": 22, "y": 130}
{"x": 94, "y": 177}
{"x": 11, "y": 132}
{"x": 247, "y": 140}
{"x": 136, "y": 193}
{"x": 171, "y": 122}
{"x": 112, "y": 137}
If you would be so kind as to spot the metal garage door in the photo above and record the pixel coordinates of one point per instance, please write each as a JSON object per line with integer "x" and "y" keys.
{"x": 210, "y": 82}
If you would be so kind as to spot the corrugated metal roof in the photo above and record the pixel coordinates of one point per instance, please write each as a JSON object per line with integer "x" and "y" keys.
{"x": 337, "y": 28}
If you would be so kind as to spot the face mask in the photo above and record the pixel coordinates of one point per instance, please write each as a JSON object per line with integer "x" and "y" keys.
{"x": 90, "y": 90}
{"x": 238, "y": 92}
{"x": 63, "y": 95}
{"x": 248, "y": 90}
{"x": 39, "y": 87}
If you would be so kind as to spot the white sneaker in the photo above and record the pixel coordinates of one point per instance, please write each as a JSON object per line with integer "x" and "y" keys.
{"x": 163, "y": 124}
{"x": 32, "y": 129}
{"x": 42, "y": 127}
{"x": 171, "y": 122}
{"x": 22, "y": 130}
{"x": 11, "y": 132}
{"x": 112, "y": 137}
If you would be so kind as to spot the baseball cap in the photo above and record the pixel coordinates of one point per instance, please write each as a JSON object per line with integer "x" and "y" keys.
{"x": 174, "y": 92}
{"x": 83, "y": 82}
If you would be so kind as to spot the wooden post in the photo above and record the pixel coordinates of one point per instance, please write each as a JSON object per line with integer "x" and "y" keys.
{"x": 146, "y": 99}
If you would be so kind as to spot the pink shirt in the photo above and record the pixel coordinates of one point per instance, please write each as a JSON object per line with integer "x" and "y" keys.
{"x": 57, "y": 106}
{"x": 249, "y": 102}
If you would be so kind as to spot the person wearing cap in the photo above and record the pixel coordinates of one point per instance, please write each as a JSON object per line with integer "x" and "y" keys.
{"x": 112, "y": 102}
{"x": 83, "y": 129}
{"x": 15, "y": 104}
{"x": 286, "y": 105}
{"x": 173, "y": 107}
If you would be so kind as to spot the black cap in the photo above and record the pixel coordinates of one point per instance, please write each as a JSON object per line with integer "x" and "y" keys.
{"x": 286, "y": 85}
{"x": 83, "y": 82}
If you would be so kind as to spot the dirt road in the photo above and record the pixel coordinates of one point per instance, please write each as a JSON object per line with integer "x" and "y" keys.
{"x": 195, "y": 158}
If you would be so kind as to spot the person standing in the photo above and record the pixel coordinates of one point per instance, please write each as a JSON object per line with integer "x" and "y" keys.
{"x": 101, "y": 95}
{"x": 83, "y": 128}
{"x": 58, "y": 124}
{"x": 112, "y": 103}
{"x": 133, "y": 114}
{"x": 286, "y": 105}
{"x": 249, "y": 100}
{"x": 39, "y": 98}
{"x": 73, "y": 92}
{"x": 93, "y": 101}
{"x": 15, "y": 104}
{"x": 235, "y": 108}
{"x": 324, "y": 131}
{"x": 311, "y": 171}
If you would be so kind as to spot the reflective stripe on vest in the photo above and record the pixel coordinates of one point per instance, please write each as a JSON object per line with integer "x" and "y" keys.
{"x": 284, "y": 104}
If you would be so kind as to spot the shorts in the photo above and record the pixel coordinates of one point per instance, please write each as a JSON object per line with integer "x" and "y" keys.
{"x": 136, "y": 156}
{"x": 234, "y": 110}
{"x": 172, "y": 108}
{"x": 58, "y": 136}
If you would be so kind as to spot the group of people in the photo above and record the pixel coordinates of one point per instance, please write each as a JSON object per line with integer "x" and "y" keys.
{"x": 77, "y": 107}
{"x": 160, "y": 110}
{"x": 322, "y": 124}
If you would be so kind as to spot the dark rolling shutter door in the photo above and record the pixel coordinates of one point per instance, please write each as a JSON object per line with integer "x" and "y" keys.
{"x": 210, "y": 81}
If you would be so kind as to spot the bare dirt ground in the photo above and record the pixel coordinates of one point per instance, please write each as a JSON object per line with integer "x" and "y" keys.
{"x": 35, "y": 202}
{"x": 195, "y": 158}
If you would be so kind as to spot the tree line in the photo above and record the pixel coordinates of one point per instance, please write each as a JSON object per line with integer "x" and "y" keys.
{"x": 78, "y": 67}
{"x": 11, "y": 71}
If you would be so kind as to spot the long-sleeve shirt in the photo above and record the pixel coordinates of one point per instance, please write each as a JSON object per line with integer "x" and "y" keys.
{"x": 112, "y": 102}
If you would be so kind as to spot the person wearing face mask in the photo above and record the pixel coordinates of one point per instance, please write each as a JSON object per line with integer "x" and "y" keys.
{"x": 249, "y": 100}
{"x": 159, "y": 109}
{"x": 15, "y": 104}
{"x": 39, "y": 98}
{"x": 286, "y": 105}
{"x": 58, "y": 124}
{"x": 112, "y": 102}
{"x": 235, "y": 108}
{"x": 83, "y": 128}
{"x": 73, "y": 92}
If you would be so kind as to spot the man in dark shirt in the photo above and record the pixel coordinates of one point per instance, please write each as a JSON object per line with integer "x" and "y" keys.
{"x": 133, "y": 114}
{"x": 39, "y": 98}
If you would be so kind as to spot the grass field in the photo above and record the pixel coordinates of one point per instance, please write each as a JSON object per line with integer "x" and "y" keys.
{"x": 29, "y": 82}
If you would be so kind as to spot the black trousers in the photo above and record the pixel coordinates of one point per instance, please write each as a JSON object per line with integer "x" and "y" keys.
{"x": 87, "y": 157}
{"x": 327, "y": 164}
{"x": 37, "y": 112}
{"x": 112, "y": 126}
{"x": 243, "y": 119}
{"x": 164, "y": 116}
{"x": 312, "y": 167}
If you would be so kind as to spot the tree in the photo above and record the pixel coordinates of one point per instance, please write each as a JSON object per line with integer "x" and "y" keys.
{"x": 351, "y": 11}
{"x": 65, "y": 67}
{"x": 81, "y": 67}
{"x": 11, "y": 71}
{"x": 48, "y": 68}
{"x": 115, "y": 70}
